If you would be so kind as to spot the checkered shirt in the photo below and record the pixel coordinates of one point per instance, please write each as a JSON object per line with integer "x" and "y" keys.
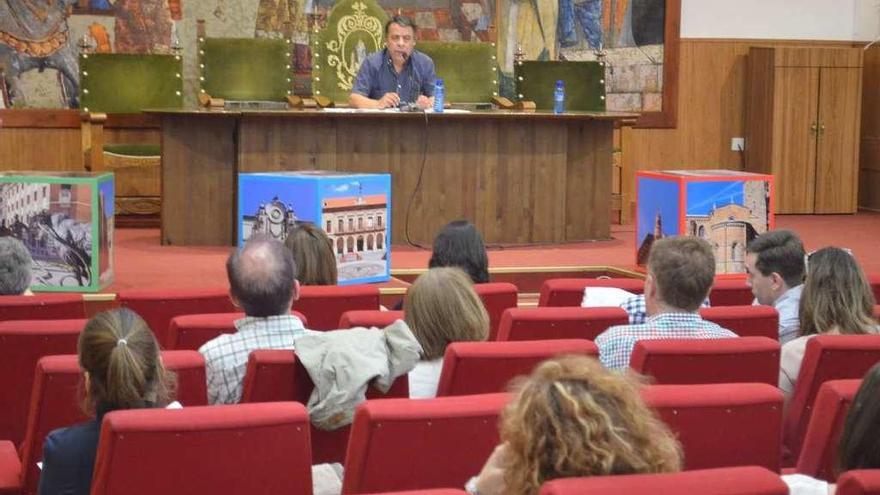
{"x": 226, "y": 356}
{"x": 616, "y": 344}
{"x": 636, "y": 310}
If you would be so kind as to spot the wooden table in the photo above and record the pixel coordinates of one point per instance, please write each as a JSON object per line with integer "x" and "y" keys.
{"x": 520, "y": 177}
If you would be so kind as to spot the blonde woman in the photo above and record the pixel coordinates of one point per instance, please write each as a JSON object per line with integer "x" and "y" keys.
{"x": 572, "y": 417}
{"x": 440, "y": 308}
{"x": 313, "y": 252}
{"x": 837, "y": 300}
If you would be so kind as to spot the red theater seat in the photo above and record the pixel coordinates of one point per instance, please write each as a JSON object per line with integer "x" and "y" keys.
{"x": 730, "y": 292}
{"x": 438, "y": 491}
{"x": 22, "y": 344}
{"x": 827, "y": 357}
{"x": 323, "y": 305}
{"x": 496, "y": 297}
{"x": 750, "y": 480}
{"x": 859, "y": 482}
{"x": 722, "y": 425}
{"x": 487, "y": 367}
{"x": 570, "y": 291}
{"x": 158, "y": 307}
{"x": 558, "y": 323}
{"x": 42, "y": 307}
{"x": 826, "y": 425}
{"x": 243, "y": 448}
{"x": 874, "y": 280}
{"x": 694, "y": 361}
{"x": 369, "y": 318}
{"x": 276, "y": 375}
{"x": 192, "y": 331}
{"x": 403, "y": 444}
{"x": 745, "y": 321}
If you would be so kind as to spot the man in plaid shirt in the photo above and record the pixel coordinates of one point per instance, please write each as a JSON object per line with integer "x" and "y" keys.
{"x": 262, "y": 281}
{"x": 680, "y": 273}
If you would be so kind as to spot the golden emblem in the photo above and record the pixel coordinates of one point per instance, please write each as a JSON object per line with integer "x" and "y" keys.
{"x": 357, "y": 35}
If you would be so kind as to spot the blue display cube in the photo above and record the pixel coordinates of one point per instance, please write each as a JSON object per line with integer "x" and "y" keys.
{"x": 728, "y": 208}
{"x": 353, "y": 209}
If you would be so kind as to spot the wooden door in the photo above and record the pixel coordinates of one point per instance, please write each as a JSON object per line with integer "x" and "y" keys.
{"x": 837, "y": 155}
{"x": 795, "y": 108}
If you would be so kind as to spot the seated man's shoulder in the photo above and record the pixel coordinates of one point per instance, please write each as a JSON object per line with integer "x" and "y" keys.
{"x": 618, "y": 331}
{"x": 70, "y": 441}
{"x": 214, "y": 346}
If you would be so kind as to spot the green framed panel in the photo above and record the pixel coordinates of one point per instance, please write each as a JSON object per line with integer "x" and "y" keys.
{"x": 469, "y": 70}
{"x": 246, "y": 69}
{"x": 128, "y": 83}
{"x": 66, "y": 221}
{"x": 584, "y": 84}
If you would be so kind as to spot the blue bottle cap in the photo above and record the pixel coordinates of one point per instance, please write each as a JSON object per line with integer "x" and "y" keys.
{"x": 439, "y": 81}
{"x": 560, "y": 84}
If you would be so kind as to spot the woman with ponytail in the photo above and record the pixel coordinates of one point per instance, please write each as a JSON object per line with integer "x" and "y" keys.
{"x": 122, "y": 369}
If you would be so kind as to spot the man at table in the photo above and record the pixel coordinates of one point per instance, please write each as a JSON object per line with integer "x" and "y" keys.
{"x": 398, "y": 74}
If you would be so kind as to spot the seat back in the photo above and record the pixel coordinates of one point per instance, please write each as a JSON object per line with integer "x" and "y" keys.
{"x": 827, "y": 357}
{"x": 354, "y": 29}
{"x": 748, "y": 480}
{"x": 874, "y": 280}
{"x": 745, "y": 321}
{"x": 193, "y": 331}
{"x": 22, "y": 344}
{"x": 496, "y": 297}
{"x": 694, "y": 361}
{"x": 369, "y": 318}
{"x": 584, "y": 83}
{"x": 42, "y": 307}
{"x": 246, "y": 69}
{"x": 158, "y": 307}
{"x": 276, "y": 375}
{"x": 722, "y": 425}
{"x": 558, "y": 323}
{"x": 859, "y": 482}
{"x": 205, "y": 450}
{"x": 826, "y": 425}
{"x": 403, "y": 444}
{"x": 130, "y": 82}
{"x": 55, "y": 400}
{"x": 324, "y": 305}
{"x": 730, "y": 292}
{"x": 468, "y": 69}
{"x": 487, "y": 367}
{"x": 570, "y": 291}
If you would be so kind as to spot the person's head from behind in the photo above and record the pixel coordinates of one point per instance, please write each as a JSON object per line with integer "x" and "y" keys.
{"x": 122, "y": 364}
{"x": 400, "y": 37}
{"x": 15, "y": 267}
{"x": 460, "y": 244}
{"x": 262, "y": 277}
{"x": 859, "y": 446}
{"x": 681, "y": 271}
{"x": 441, "y": 307}
{"x": 313, "y": 252}
{"x": 836, "y": 296}
{"x": 572, "y": 417}
{"x": 774, "y": 264}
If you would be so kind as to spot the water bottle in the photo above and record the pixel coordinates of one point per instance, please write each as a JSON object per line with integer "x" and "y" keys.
{"x": 438, "y": 96}
{"x": 559, "y": 97}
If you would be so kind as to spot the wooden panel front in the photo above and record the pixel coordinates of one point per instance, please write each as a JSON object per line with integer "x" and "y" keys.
{"x": 794, "y": 157}
{"x": 840, "y": 93}
{"x": 869, "y": 154}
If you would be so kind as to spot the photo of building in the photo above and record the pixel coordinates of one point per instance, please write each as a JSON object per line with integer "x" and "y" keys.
{"x": 357, "y": 225}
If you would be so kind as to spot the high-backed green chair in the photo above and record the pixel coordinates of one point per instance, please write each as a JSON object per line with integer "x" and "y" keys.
{"x": 354, "y": 29}
{"x": 245, "y": 69}
{"x": 469, "y": 70}
{"x": 120, "y": 84}
{"x": 584, "y": 84}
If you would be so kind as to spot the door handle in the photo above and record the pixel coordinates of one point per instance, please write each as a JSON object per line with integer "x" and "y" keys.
{"x": 822, "y": 129}
{"x": 814, "y": 128}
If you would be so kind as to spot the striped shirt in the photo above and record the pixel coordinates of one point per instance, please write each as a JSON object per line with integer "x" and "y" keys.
{"x": 616, "y": 343}
{"x": 226, "y": 356}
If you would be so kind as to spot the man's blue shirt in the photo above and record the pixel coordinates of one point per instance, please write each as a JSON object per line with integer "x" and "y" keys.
{"x": 377, "y": 77}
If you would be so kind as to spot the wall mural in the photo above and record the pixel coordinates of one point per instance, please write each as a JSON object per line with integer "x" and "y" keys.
{"x": 39, "y": 39}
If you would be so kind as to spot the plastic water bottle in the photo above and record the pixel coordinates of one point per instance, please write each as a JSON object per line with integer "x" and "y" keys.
{"x": 559, "y": 97}
{"x": 438, "y": 96}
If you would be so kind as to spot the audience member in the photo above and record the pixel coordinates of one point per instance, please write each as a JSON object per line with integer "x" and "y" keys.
{"x": 440, "y": 308}
{"x": 460, "y": 244}
{"x": 680, "y": 273}
{"x": 122, "y": 369}
{"x": 572, "y": 417}
{"x": 775, "y": 273}
{"x": 262, "y": 281}
{"x": 313, "y": 252}
{"x": 836, "y": 300}
{"x": 15, "y": 267}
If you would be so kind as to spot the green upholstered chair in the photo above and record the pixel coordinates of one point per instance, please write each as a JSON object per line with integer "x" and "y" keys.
{"x": 124, "y": 84}
{"x": 245, "y": 69}
{"x": 584, "y": 84}
{"x": 469, "y": 70}
{"x": 354, "y": 29}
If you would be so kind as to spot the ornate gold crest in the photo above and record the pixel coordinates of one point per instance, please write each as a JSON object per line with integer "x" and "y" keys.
{"x": 348, "y": 50}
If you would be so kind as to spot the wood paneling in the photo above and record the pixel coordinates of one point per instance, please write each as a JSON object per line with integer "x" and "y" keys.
{"x": 869, "y": 154}
{"x": 793, "y": 162}
{"x": 838, "y": 150}
{"x": 41, "y": 149}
